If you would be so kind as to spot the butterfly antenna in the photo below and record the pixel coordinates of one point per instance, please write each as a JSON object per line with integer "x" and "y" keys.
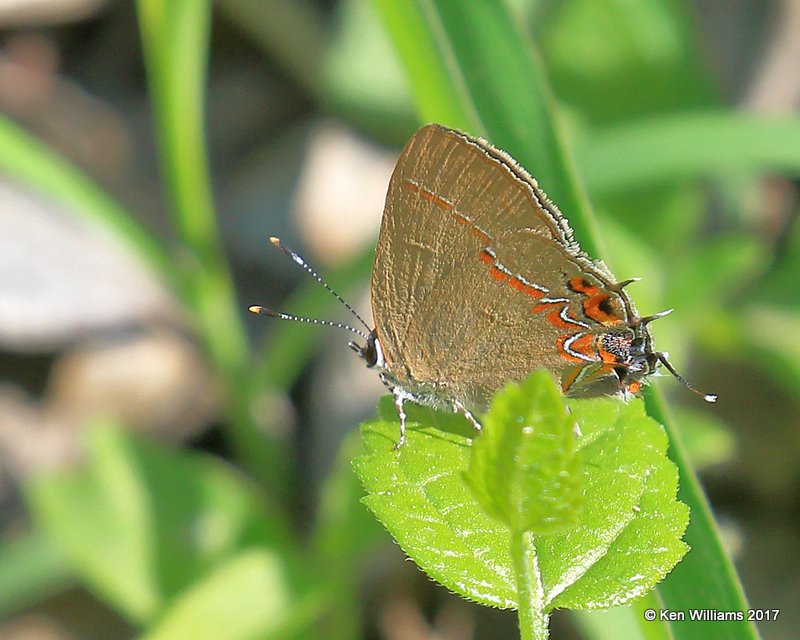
{"x": 298, "y": 259}
{"x": 319, "y": 321}
{"x": 708, "y": 397}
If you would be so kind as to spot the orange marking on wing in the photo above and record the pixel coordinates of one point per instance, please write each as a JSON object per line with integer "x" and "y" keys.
{"x": 571, "y": 378}
{"x": 599, "y": 309}
{"x": 498, "y": 274}
{"x": 554, "y": 315}
{"x": 411, "y": 186}
{"x": 464, "y": 221}
{"x": 546, "y": 306}
{"x": 582, "y": 285}
{"x": 437, "y": 200}
{"x": 635, "y": 386}
{"x": 518, "y": 285}
{"x": 584, "y": 345}
{"x": 480, "y": 235}
{"x": 428, "y": 195}
{"x": 485, "y": 257}
{"x": 554, "y": 318}
{"x": 606, "y": 356}
{"x": 566, "y": 354}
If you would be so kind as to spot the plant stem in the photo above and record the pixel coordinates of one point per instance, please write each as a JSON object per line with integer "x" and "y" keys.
{"x": 533, "y": 621}
{"x": 175, "y": 38}
{"x": 706, "y": 578}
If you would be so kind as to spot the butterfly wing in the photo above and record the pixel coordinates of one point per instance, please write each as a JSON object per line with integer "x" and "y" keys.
{"x": 477, "y": 280}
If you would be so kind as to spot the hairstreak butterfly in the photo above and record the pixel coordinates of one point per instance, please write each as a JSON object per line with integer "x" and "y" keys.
{"x": 478, "y": 281}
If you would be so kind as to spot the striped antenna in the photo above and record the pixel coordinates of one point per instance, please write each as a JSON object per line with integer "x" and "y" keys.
{"x": 299, "y": 260}
{"x": 662, "y": 358}
{"x": 288, "y": 316}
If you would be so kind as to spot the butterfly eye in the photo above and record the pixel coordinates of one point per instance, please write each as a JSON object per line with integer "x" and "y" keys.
{"x": 370, "y": 354}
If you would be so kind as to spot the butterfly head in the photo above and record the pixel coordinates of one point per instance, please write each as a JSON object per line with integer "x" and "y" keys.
{"x": 371, "y": 352}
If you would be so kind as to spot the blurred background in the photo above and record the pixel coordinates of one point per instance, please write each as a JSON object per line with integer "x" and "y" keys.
{"x": 140, "y": 405}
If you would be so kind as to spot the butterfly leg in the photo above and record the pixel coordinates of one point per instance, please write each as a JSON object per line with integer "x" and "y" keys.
{"x": 460, "y": 408}
{"x": 399, "y": 398}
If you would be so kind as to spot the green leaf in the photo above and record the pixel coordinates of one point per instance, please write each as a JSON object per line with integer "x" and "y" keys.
{"x": 649, "y": 545}
{"x": 626, "y": 538}
{"x": 247, "y": 597}
{"x": 31, "y": 569}
{"x": 345, "y": 532}
{"x": 138, "y": 524}
{"x": 618, "y": 622}
{"x": 470, "y": 66}
{"x": 523, "y": 470}
{"x": 419, "y": 495}
{"x": 616, "y": 60}
{"x": 665, "y": 150}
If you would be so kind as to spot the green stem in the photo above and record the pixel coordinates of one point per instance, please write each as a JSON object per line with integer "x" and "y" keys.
{"x": 707, "y": 567}
{"x": 175, "y": 41}
{"x": 533, "y": 620}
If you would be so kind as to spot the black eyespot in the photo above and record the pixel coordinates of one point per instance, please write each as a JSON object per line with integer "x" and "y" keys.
{"x": 605, "y": 306}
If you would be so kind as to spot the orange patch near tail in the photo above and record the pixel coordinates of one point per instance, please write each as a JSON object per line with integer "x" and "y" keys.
{"x": 607, "y": 357}
{"x": 582, "y": 285}
{"x": 554, "y": 318}
{"x": 584, "y": 345}
{"x": 566, "y": 354}
{"x": 571, "y": 378}
{"x": 599, "y": 308}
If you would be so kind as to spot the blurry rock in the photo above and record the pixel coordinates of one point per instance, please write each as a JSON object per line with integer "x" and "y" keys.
{"x": 341, "y": 193}
{"x": 60, "y": 112}
{"x": 64, "y": 278}
{"x": 27, "y": 13}
{"x": 28, "y": 440}
{"x": 33, "y": 627}
{"x": 153, "y": 381}
{"x": 71, "y": 288}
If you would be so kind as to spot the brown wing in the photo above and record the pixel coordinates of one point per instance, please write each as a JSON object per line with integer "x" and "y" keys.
{"x": 470, "y": 259}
